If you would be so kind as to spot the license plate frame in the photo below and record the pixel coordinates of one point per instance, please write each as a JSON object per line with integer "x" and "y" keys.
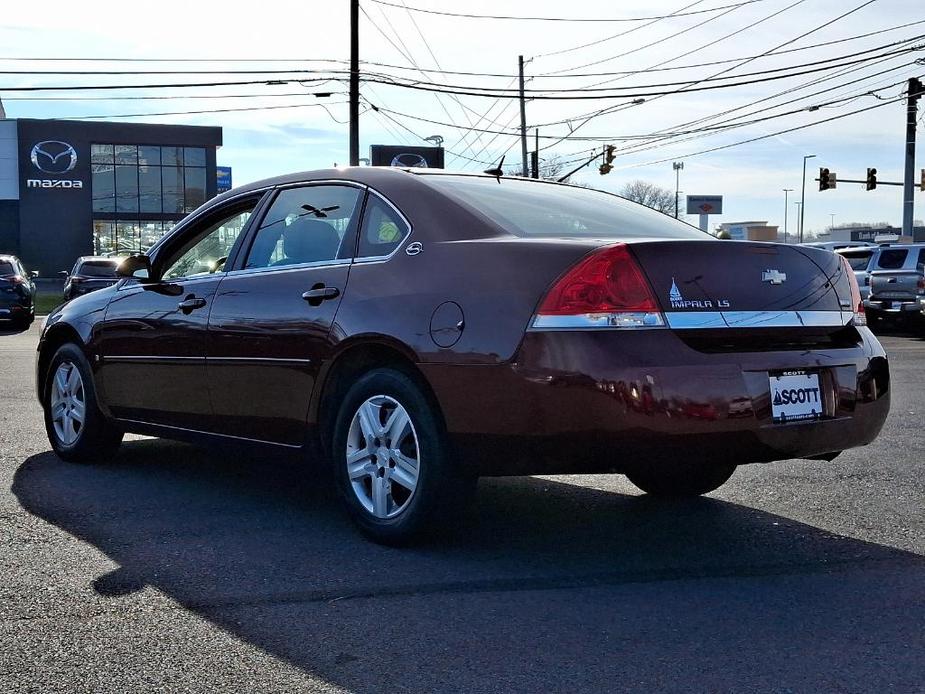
{"x": 796, "y": 396}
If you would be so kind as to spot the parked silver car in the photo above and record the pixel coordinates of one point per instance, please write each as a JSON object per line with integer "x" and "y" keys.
{"x": 860, "y": 258}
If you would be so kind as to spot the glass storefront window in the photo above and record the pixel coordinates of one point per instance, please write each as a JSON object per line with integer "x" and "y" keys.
{"x": 149, "y": 155}
{"x": 171, "y": 156}
{"x": 172, "y": 189}
{"x": 104, "y": 238}
{"x": 126, "y": 154}
{"x": 149, "y": 188}
{"x": 194, "y": 156}
{"x": 101, "y": 154}
{"x": 126, "y": 189}
{"x": 127, "y": 237}
{"x": 195, "y": 188}
{"x": 104, "y": 187}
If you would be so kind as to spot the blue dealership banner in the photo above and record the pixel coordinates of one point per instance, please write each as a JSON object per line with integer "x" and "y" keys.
{"x": 223, "y": 178}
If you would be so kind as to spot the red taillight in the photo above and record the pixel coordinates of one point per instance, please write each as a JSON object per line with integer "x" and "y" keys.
{"x": 921, "y": 285}
{"x": 16, "y": 279}
{"x": 856, "y": 302}
{"x": 606, "y": 289}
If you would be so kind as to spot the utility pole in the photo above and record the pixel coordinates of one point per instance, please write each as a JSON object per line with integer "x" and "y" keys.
{"x": 912, "y": 100}
{"x": 803, "y": 195}
{"x": 677, "y": 166}
{"x": 786, "y": 212}
{"x": 523, "y": 117}
{"x": 354, "y": 82}
{"x": 535, "y": 162}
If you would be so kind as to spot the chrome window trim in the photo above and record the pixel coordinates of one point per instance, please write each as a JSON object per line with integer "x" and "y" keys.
{"x": 192, "y": 280}
{"x": 338, "y": 262}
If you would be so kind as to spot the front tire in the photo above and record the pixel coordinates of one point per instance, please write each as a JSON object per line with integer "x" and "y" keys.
{"x": 392, "y": 461}
{"x": 681, "y": 481}
{"x": 77, "y": 430}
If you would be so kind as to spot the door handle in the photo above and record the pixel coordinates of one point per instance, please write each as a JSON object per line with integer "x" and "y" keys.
{"x": 319, "y": 293}
{"x": 191, "y": 303}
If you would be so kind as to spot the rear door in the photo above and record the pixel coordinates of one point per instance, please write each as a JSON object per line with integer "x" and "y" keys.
{"x": 153, "y": 338}
{"x": 270, "y": 328}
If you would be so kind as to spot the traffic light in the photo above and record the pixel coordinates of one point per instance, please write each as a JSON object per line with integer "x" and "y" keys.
{"x": 826, "y": 179}
{"x": 607, "y": 166}
{"x": 871, "y": 179}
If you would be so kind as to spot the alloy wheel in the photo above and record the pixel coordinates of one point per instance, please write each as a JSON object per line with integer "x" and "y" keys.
{"x": 383, "y": 456}
{"x": 68, "y": 403}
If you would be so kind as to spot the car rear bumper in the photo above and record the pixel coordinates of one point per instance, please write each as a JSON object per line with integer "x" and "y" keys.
{"x": 603, "y": 401}
{"x": 15, "y": 310}
{"x": 893, "y": 306}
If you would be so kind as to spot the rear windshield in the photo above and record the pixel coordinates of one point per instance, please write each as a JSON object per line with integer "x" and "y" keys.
{"x": 535, "y": 209}
{"x": 98, "y": 268}
{"x": 6, "y": 268}
{"x": 892, "y": 259}
{"x": 858, "y": 260}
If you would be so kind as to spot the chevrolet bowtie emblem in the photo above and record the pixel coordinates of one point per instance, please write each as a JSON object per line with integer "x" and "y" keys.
{"x": 774, "y": 276}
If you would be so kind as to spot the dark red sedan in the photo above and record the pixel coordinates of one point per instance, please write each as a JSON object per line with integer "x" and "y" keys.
{"x": 426, "y": 328}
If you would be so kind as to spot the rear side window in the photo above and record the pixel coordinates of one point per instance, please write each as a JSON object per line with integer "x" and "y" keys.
{"x": 311, "y": 224}
{"x": 383, "y": 229}
{"x": 97, "y": 268}
{"x": 858, "y": 261}
{"x": 534, "y": 209}
{"x": 892, "y": 258}
{"x": 921, "y": 261}
{"x": 6, "y": 268}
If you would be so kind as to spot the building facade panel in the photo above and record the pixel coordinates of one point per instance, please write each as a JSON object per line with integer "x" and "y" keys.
{"x": 92, "y": 187}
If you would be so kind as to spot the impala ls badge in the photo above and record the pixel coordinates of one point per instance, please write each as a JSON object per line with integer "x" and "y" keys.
{"x": 774, "y": 276}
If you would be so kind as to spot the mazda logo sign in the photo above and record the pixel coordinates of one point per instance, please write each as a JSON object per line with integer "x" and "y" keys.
{"x": 54, "y": 157}
{"x": 408, "y": 160}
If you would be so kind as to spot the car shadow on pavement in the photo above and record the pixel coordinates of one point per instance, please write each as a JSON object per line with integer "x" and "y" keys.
{"x": 546, "y": 586}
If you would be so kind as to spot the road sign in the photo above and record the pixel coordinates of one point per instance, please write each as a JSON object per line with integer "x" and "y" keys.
{"x": 704, "y": 204}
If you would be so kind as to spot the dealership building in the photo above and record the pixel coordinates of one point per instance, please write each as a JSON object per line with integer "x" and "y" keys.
{"x": 73, "y": 188}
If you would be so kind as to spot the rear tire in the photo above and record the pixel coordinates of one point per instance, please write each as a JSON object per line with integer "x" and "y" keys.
{"x": 392, "y": 460}
{"x": 77, "y": 430}
{"x": 681, "y": 481}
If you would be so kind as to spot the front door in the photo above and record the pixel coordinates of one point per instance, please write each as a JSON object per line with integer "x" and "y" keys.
{"x": 271, "y": 322}
{"x": 153, "y": 338}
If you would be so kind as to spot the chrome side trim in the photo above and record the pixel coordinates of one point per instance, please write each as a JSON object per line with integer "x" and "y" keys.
{"x": 151, "y": 359}
{"x": 257, "y": 360}
{"x": 205, "y": 433}
{"x": 695, "y": 320}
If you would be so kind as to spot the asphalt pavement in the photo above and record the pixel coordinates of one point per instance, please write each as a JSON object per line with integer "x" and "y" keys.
{"x": 180, "y": 569}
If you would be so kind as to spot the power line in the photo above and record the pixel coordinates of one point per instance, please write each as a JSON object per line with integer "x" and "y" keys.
{"x": 558, "y": 19}
{"x": 561, "y": 51}
{"x": 769, "y": 135}
{"x": 582, "y": 95}
{"x": 214, "y": 110}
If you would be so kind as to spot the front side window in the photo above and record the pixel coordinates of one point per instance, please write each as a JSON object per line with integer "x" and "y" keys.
{"x": 858, "y": 261}
{"x": 306, "y": 225}
{"x": 383, "y": 229}
{"x": 209, "y": 249}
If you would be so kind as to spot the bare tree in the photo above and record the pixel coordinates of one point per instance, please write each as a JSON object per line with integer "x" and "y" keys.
{"x": 550, "y": 169}
{"x": 650, "y": 195}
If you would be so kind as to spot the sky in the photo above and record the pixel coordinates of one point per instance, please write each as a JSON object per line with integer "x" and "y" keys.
{"x": 303, "y": 132}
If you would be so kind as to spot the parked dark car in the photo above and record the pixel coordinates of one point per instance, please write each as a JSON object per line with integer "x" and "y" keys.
{"x": 426, "y": 328}
{"x": 17, "y": 292}
{"x": 90, "y": 273}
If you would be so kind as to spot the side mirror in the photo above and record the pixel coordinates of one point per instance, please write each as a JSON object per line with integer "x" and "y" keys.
{"x": 33, "y": 274}
{"x": 137, "y": 267}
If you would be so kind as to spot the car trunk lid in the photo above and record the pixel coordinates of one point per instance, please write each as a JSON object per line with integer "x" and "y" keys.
{"x": 745, "y": 284}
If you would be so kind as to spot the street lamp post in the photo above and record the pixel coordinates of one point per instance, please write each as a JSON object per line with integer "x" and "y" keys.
{"x": 677, "y": 166}
{"x": 786, "y": 212}
{"x": 803, "y": 196}
{"x": 832, "y": 225}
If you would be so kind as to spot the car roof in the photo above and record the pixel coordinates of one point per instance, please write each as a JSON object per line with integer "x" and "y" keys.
{"x": 101, "y": 258}
{"x": 856, "y": 249}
